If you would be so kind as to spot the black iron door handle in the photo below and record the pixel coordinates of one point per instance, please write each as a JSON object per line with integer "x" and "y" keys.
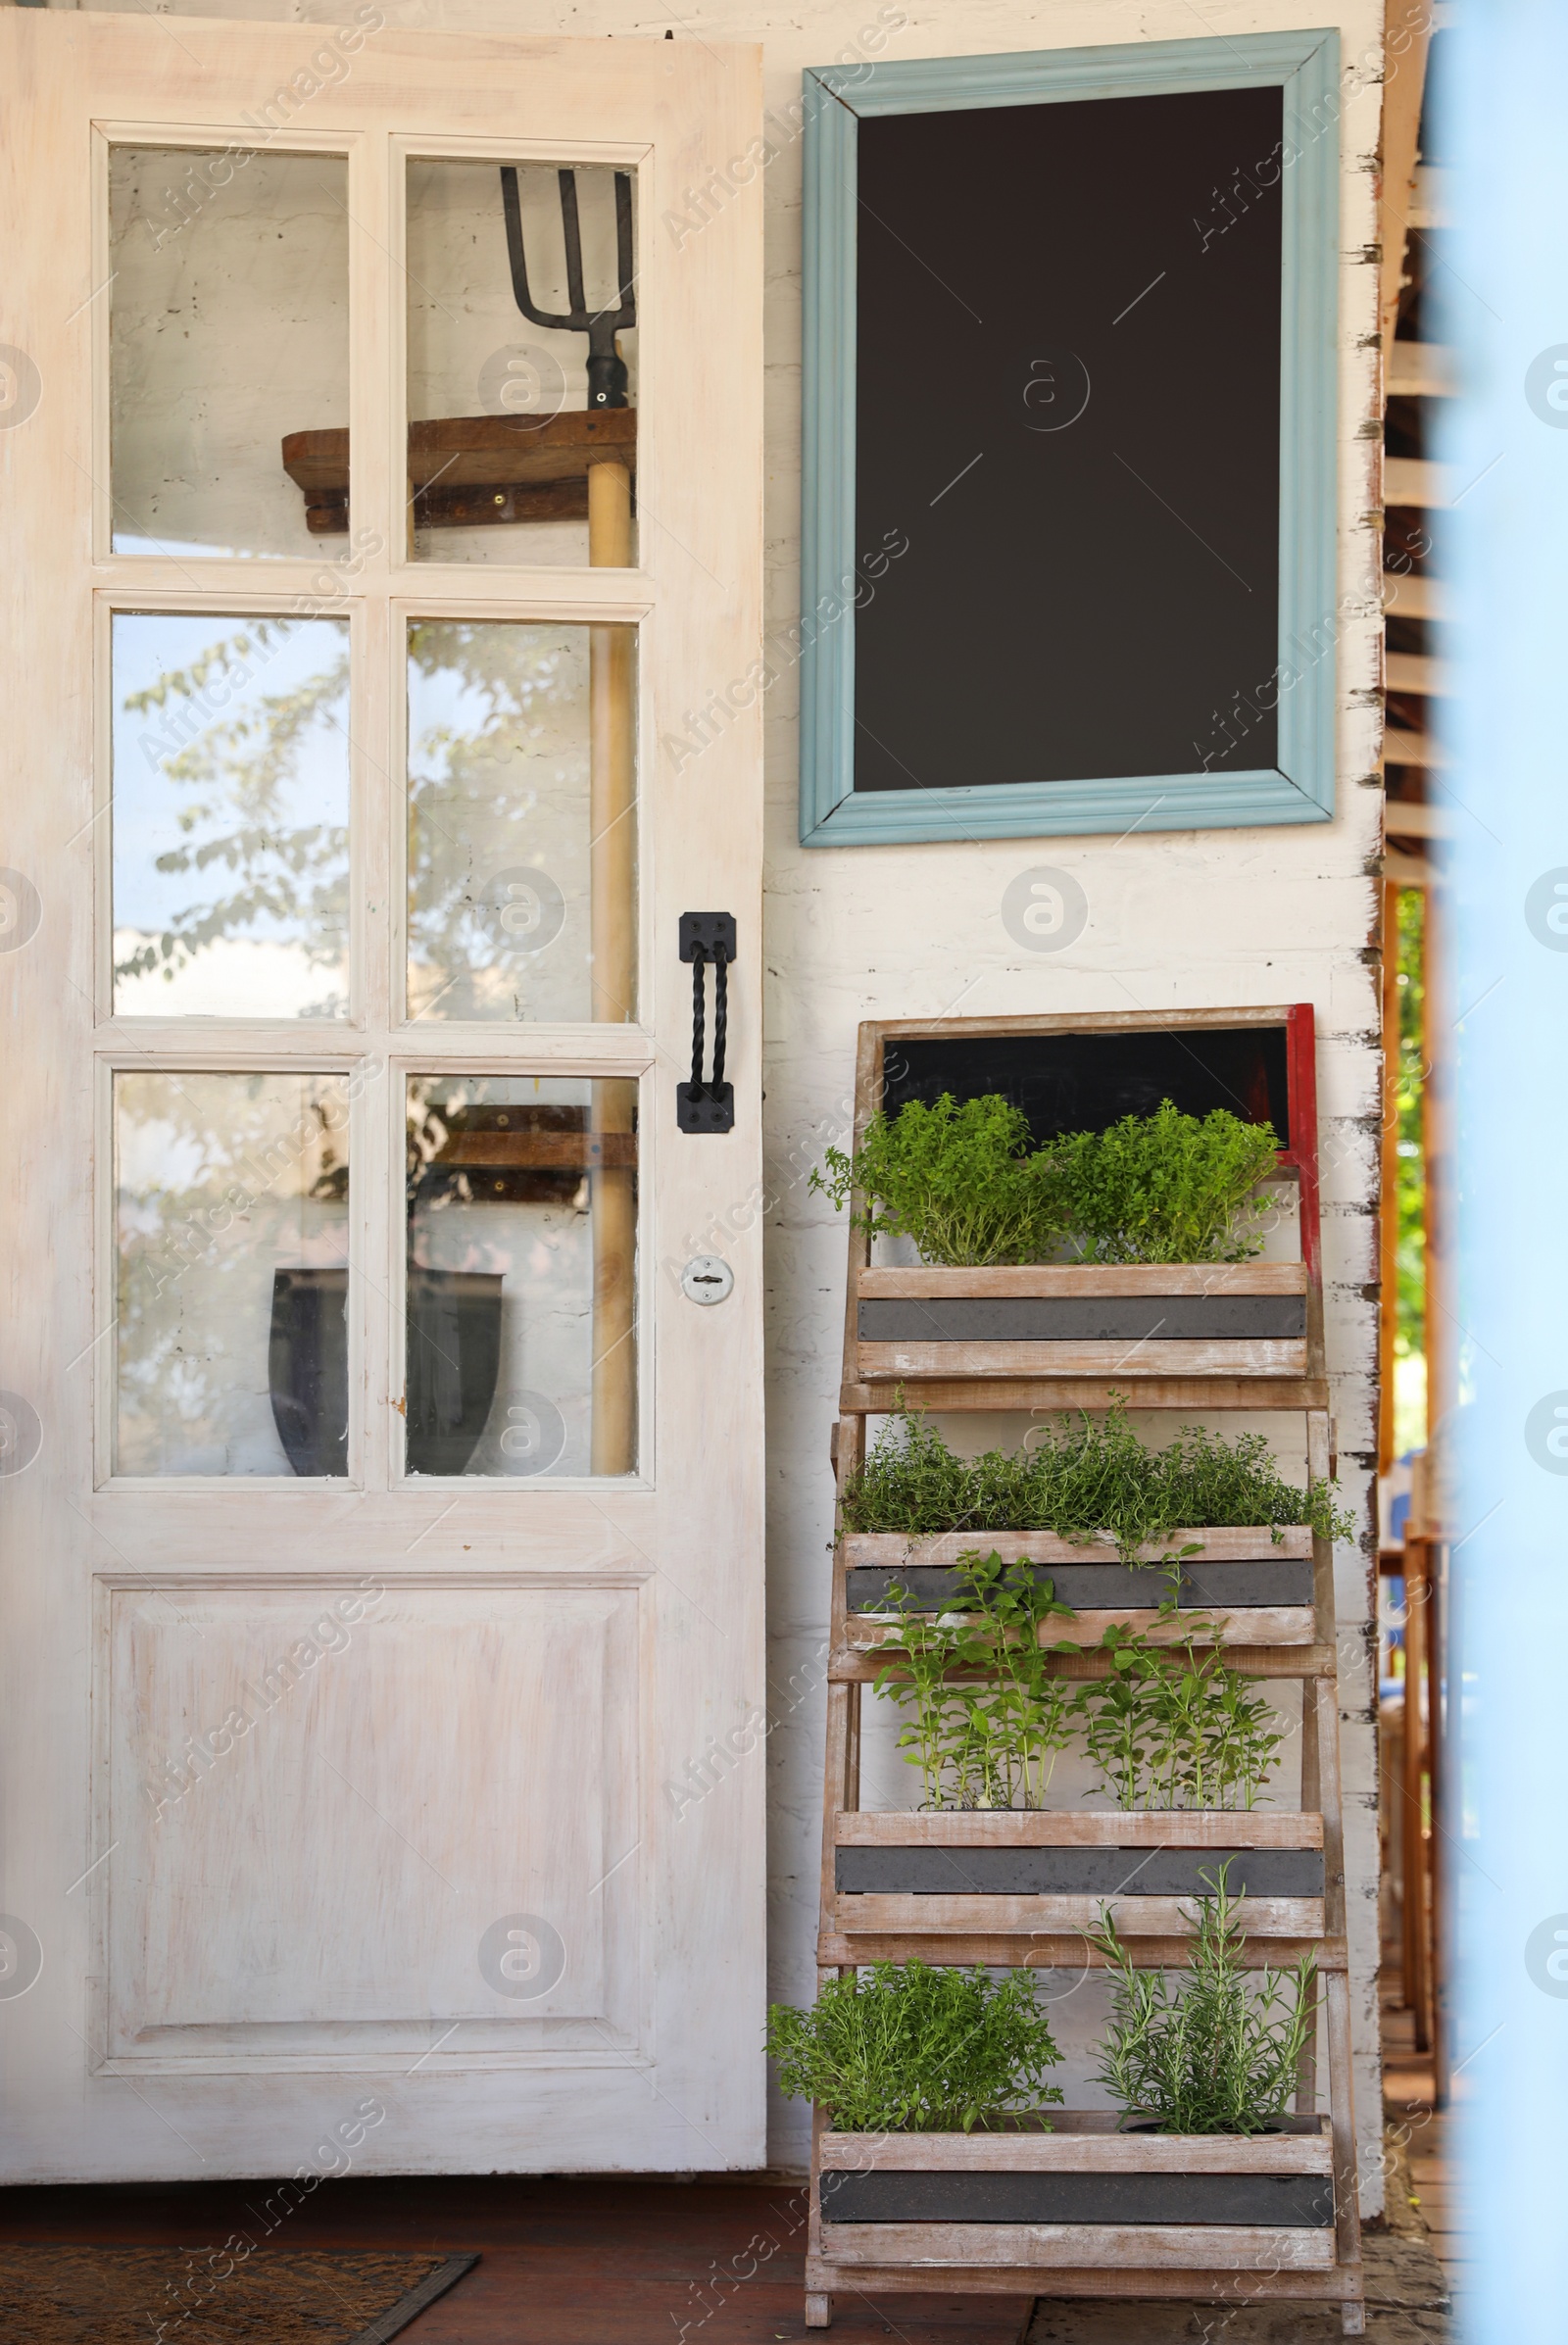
{"x": 707, "y": 1104}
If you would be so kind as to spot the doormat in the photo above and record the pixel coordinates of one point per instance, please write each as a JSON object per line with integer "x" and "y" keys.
{"x": 53, "y": 2295}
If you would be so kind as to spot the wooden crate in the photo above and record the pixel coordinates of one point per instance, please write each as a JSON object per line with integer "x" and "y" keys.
{"x": 1081, "y": 1319}
{"x": 1262, "y": 1592}
{"x": 969, "y": 1872}
{"x": 1083, "y": 2208}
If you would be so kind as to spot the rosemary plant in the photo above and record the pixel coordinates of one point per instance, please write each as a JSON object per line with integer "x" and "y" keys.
{"x": 1216, "y": 2049}
{"x": 906, "y": 2047}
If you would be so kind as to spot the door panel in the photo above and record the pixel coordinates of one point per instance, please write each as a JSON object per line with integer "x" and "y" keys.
{"x": 392, "y": 1533}
{"x": 301, "y": 1879}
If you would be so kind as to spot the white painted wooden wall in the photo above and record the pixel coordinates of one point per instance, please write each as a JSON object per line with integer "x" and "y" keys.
{"x": 1180, "y": 919}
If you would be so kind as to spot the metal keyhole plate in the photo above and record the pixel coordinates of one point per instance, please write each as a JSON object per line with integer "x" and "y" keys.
{"x": 707, "y": 1278}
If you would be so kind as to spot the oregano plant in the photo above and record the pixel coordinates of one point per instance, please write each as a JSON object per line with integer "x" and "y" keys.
{"x": 962, "y": 1181}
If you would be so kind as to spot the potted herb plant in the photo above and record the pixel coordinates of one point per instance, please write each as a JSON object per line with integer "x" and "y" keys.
{"x": 1066, "y": 1258}
{"x": 1181, "y": 1742}
{"x": 934, "y": 2142}
{"x": 1117, "y": 1527}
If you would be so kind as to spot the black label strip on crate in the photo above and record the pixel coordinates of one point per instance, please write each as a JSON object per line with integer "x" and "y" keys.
{"x": 920, "y": 1871}
{"x": 1102, "y": 1586}
{"x": 1279, "y": 2202}
{"x": 1080, "y": 1318}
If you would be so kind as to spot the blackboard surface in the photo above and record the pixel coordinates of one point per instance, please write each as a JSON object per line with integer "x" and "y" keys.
{"x": 1085, "y": 1082}
{"x": 1080, "y": 598}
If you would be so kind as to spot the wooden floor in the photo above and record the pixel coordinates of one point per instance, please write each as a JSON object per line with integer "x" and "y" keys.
{"x": 563, "y": 2263}
{"x": 1407, "y": 2097}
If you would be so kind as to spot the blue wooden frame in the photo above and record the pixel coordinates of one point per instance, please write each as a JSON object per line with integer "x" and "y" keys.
{"x": 1305, "y": 65}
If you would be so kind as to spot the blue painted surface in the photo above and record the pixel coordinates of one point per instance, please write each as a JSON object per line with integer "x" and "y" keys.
{"x": 1300, "y": 788}
{"x": 1504, "y": 116}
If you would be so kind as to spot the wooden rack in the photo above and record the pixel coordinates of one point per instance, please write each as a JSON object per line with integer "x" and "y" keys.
{"x": 466, "y": 471}
{"x": 1083, "y": 2209}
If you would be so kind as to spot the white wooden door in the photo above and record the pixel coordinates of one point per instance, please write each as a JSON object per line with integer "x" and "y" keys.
{"x": 381, "y": 1521}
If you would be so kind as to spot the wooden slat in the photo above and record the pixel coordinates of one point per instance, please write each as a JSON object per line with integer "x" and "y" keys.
{"x": 954, "y": 1393}
{"x": 475, "y": 451}
{"x": 1409, "y": 597}
{"x": 1409, "y": 870}
{"x": 1415, "y": 481}
{"x": 548, "y": 1152}
{"x": 1067, "y": 1828}
{"x": 874, "y": 1550}
{"x": 1256, "y": 1355}
{"x": 1414, "y": 671}
{"x": 1049, "y": 1279}
{"x": 1422, "y": 370}
{"x": 1254, "y": 1624}
{"x": 1265, "y": 2284}
{"x": 1401, "y": 747}
{"x": 1091, "y": 2246}
{"x": 1079, "y": 1022}
{"x": 847, "y": 1666}
{"x": 1051, "y": 1950}
{"x": 1416, "y": 818}
{"x": 1141, "y": 1917}
{"x": 1062, "y": 2152}
{"x": 1432, "y": 207}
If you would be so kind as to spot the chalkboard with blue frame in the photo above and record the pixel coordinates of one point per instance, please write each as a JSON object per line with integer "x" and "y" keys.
{"x": 1068, "y": 518}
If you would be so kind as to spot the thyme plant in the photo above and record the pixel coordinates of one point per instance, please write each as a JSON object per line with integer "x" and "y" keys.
{"x": 908, "y": 2048}
{"x": 1082, "y": 1480}
{"x": 1215, "y": 2049}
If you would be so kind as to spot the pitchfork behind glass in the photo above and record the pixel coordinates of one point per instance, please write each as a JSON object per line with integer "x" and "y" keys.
{"x": 606, "y": 369}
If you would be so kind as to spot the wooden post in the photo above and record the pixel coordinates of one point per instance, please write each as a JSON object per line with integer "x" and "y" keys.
{"x": 613, "y": 872}
{"x": 1388, "y": 1216}
{"x": 1439, "y": 1848}
{"x": 1437, "y": 1148}
{"x": 1417, "y": 1598}
{"x": 1404, "y": 73}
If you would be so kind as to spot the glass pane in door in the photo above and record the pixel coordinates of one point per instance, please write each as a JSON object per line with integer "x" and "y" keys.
{"x": 520, "y": 1309}
{"x": 231, "y": 815}
{"x": 523, "y": 362}
{"x": 232, "y": 1230}
{"x": 522, "y": 821}
{"x": 228, "y": 309}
